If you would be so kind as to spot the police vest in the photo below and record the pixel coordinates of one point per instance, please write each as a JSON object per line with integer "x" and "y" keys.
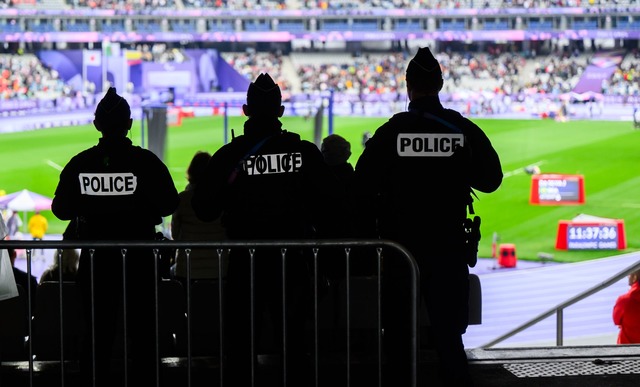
{"x": 430, "y": 144}
{"x": 273, "y": 163}
{"x": 108, "y": 184}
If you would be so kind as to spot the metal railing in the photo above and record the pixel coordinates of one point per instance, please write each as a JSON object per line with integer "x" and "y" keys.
{"x": 313, "y": 246}
{"x": 558, "y": 310}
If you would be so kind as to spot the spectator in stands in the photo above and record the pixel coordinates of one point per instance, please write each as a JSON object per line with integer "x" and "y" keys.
{"x": 116, "y": 177}
{"x": 13, "y": 224}
{"x": 65, "y": 261}
{"x": 281, "y": 202}
{"x": 336, "y": 152}
{"x": 626, "y": 312}
{"x": 418, "y": 195}
{"x": 37, "y": 227}
{"x": 185, "y": 225}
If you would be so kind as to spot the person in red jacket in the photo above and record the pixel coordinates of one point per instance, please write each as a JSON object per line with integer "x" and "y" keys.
{"x": 626, "y": 312}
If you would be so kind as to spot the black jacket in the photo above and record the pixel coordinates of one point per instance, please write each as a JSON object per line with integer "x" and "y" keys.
{"x": 414, "y": 176}
{"x": 116, "y": 191}
{"x": 266, "y": 184}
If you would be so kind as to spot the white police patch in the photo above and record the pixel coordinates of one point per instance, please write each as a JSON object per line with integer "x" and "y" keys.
{"x": 108, "y": 184}
{"x": 428, "y": 144}
{"x": 273, "y": 163}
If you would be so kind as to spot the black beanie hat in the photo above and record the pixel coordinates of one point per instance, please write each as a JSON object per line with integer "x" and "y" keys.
{"x": 263, "y": 96}
{"x": 424, "y": 72}
{"x": 113, "y": 109}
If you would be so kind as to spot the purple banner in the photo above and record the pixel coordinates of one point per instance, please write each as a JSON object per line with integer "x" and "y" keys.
{"x": 69, "y": 65}
{"x": 214, "y": 73}
{"x": 204, "y": 72}
{"x": 601, "y": 68}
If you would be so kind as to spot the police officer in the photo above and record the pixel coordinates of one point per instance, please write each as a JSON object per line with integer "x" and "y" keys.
{"x": 116, "y": 191}
{"x": 266, "y": 184}
{"x": 416, "y": 174}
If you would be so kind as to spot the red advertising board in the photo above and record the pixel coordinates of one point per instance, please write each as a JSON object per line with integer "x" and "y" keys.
{"x": 591, "y": 235}
{"x": 557, "y": 189}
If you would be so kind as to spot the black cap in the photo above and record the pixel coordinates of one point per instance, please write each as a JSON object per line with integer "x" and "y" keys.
{"x": 424, "y": 71}
{"x": 113, "y": 109}
{"x": 263, "y": 96}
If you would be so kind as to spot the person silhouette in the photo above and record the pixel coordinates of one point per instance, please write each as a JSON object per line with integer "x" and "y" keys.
{"x": 65, "y": 261}
{"x": 116, "y": 177}
{"x": 626, "y": 312}
{"x": 413, "y": 185}
{"x": 13, "y": 225}
{"x": 336, "y": 151}
{"x": 185, "y": 225}
{"x": 258, "y": 203}
{"x": 38, "y": 226}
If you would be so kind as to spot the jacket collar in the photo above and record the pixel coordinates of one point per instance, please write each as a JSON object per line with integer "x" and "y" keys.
{"x": 428, "y": 103}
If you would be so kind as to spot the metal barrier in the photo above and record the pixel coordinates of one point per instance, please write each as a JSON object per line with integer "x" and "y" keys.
{"x": 314, "y": 247}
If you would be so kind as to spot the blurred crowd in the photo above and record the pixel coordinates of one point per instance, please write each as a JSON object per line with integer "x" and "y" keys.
{"x": 626, "y": 79}
{"x": 489, "y": 73}
{"x": 25, "y": 77}
{"x": 362, "y": 75}
{"x": 251, "y": 63}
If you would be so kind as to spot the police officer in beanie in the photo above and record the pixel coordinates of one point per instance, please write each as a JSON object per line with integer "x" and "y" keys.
{"x": 417, "y": 174}
{"x": 116, "y": 191}
{"x": 266, "y": 184}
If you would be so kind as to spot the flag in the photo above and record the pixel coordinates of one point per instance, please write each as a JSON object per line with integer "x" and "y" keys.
{"x": 133, "y": 57}
{"x": 92, "y": 57}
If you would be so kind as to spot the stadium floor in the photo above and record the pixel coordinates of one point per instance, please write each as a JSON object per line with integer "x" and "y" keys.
{"x": 550, "y": 367}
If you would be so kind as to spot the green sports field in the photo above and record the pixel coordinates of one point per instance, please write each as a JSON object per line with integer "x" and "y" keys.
{"x": 606, "y": 153}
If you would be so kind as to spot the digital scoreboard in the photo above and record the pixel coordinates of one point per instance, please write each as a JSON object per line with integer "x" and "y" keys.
{"x": 592, "y": 235}
{"x": 557, "y": 189}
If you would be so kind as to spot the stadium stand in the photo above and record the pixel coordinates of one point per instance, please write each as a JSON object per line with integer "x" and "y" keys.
{"x": 486, "y": 77}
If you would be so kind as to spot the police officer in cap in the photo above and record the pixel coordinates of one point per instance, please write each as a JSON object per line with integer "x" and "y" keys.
{"x": 266, "y": 184}
{"x": 417, "y": 174}
{"x": 116, "y": 191}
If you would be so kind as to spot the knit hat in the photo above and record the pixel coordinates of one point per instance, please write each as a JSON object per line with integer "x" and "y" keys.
{"x": 335, "y": 149}
{"x": 113, "y": 110}
{"x": 263, "y": 96}
{"x": 424, "y": 72}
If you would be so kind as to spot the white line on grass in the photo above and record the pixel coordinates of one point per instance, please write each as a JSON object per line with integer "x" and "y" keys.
{"x": 54, "y": 165}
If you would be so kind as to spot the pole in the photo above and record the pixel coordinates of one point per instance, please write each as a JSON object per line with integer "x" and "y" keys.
{"x": 142, "y": 120}
{"x": 104, "y": 67}
{"x": 226, "y": 122}
{"x": 330, "y": 115}
{"x": 84, "y": 69}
